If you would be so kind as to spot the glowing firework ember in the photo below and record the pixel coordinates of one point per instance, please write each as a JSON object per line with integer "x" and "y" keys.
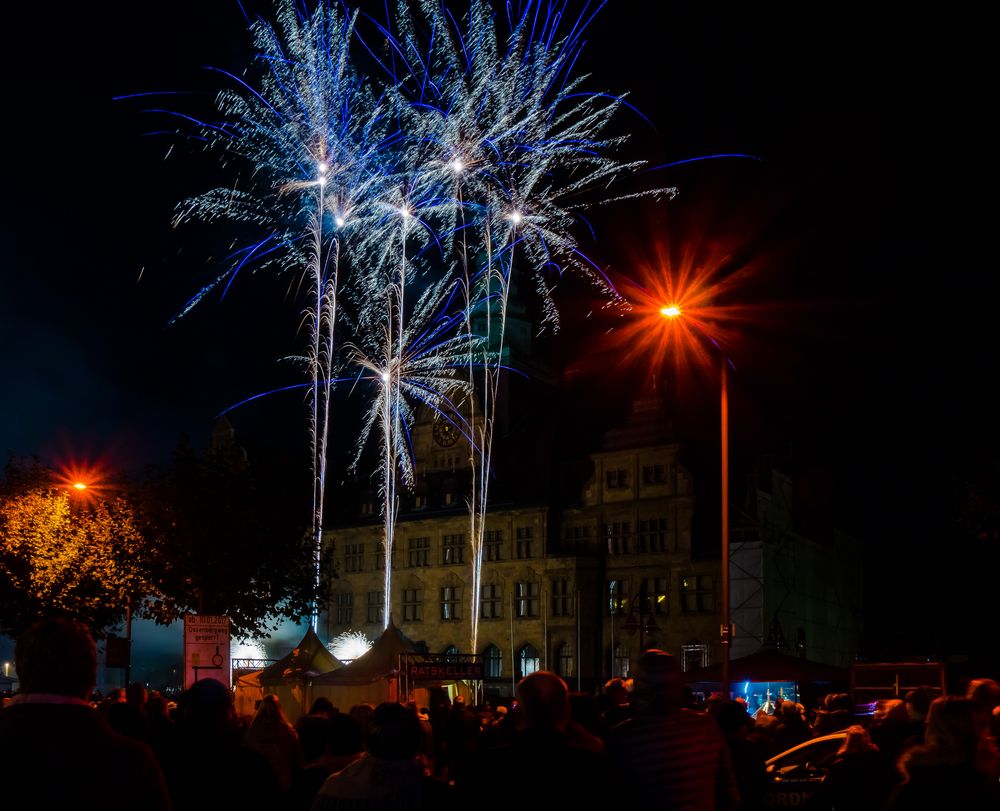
{"x": 349, "y": 646}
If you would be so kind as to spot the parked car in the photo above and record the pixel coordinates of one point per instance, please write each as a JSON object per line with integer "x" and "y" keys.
{"x": 794, "y": 775}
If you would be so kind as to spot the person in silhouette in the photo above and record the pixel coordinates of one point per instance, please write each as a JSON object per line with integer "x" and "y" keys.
{"x": 58, "y": 752}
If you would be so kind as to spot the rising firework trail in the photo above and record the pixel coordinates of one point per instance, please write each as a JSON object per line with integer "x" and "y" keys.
{"x": 495, "y": 99}
{"x": 425, "y": 374}
{"x": 309, "y": 136}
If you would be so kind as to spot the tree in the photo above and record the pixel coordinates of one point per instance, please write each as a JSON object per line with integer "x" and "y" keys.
{"x": 82, "y": 560}
{"x": 227, "y": 539}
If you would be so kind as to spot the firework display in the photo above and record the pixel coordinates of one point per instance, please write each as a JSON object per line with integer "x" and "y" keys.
{"x": 405, "y": 171}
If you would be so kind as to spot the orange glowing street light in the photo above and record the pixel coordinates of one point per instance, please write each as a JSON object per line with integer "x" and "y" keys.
{"x": 674, "y": 311}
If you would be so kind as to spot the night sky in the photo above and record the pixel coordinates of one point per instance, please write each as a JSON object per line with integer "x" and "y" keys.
{"x": 867, "y": 212}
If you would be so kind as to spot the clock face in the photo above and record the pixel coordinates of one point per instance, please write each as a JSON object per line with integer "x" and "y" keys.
{"x": 445, "y": 434}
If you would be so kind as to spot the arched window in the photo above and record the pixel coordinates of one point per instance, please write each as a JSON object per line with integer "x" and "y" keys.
{"x": 493, "y": 660}
{"x": 528, "y": 660}
{"x": 566, "y": 660}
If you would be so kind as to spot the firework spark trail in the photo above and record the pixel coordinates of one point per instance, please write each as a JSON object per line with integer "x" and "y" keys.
{"x": 481, "y": 145}
{"x": 426, "y": 372}
{"x": 311, "y": 135}
{"x": 528, "y": 151}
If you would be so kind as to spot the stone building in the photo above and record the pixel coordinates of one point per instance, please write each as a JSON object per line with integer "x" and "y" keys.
{"x": 579, "y": 570}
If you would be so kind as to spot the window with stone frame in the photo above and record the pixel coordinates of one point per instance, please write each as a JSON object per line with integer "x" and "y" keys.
{"x": 380, "y": 557}
{"x": 654, "y": 474}
{"x": 694, "y": 656}
{"x": 526, "y": 599}
{"x": 494, "y": 544}
{"x": 566, "y": 660}
{"x": 652, "y": 535}
{"x": 616, "y": 479}
{"x": 620, "y": 659}
{"x": 453, "y": 548}
{"x": 344, "y": 602}
{"x": 617, "y": 535}
{"x": 658, "y": 600}
{"x": 451, "y": 596}
{"x": 529, "y": 660}
{"x": 418, "y": 552}
{"x": 524, "y": 543}
{"x": 413, "y": 605}
{"x": 697, "y": 595}
{"x": 493, "y": 662}
{"x": 491, "y": 602}
{"x": 376, "y": 608}
{"x": 562, "y": 597}
{"x": 354, "y": 557}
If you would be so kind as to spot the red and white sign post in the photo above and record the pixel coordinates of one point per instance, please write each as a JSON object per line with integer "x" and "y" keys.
{"x": 206, "y": 649}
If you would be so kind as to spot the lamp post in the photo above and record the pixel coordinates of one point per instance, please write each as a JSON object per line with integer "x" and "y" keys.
{"x": 725, "y": 631}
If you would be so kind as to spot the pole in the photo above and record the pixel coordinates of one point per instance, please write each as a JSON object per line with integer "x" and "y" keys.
{"x": 128, "y": 641}
{"x": 578, "y": 640}
{"x": 513, "y": 661}
{"x": 726, "y": 631}
{"x": 545, "y": 630}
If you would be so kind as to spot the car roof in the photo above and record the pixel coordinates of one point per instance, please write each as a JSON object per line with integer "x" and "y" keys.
{"x": 834, "y": 736}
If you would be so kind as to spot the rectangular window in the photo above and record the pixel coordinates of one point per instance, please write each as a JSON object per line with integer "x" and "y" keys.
{"x": 376, "y": 608}
{"x": 490, "y": 603}
{"x": 345, "y": 607}
{"x": 525, "y": 545}
{"x": 494, "y": 544}
{"x": 354, "y": 557}
{"x": 413, "y": 600}
{"x": 693, "y": 657}
{"x": 617, "y": 534}
{"x": 654, "y": 474}
{"x": 527, "y": 600}
{"x": 453, "y": 548}
{"x": 616, "y": 479}
{"x": 697, "y": 596}
{"x": 418, "y": 552}
{"x": 562, "y": 597}
{"x": 450, "y": 598}
{"x": 380, "y": 557}
{"x": 652, "y": 535}
{"x": 656, "y": 595}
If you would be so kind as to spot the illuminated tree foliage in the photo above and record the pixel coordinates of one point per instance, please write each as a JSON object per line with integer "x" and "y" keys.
{"x": 58, "y": 557}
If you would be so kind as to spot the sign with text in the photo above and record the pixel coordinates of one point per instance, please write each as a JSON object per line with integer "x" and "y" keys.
{"x": 206, "y": 649}
{"x": 443, "y": 668}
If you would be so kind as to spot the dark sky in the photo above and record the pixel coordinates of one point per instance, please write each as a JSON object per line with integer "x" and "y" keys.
{"x": 869, "y": 212}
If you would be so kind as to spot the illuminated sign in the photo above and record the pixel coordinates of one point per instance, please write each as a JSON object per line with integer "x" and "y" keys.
{"x": 443, "y": 669}
{"x": 206, "y": 649}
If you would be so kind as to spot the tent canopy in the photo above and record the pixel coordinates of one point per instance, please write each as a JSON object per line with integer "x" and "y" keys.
{"x": 308, "y": 659}
{"x": 380, "y": 662}
{"x": 768, "y": 664}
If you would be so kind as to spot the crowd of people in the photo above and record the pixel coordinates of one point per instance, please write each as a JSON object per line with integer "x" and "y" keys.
{"x": 640, "y": 744}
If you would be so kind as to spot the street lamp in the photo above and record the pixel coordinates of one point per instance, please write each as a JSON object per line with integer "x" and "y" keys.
{"x": 726, "y": 635}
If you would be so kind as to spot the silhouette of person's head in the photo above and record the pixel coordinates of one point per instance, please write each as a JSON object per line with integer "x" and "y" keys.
{"x": 393, "y": 732}
{"x": 657, "y": 686}
{"x": 543, "y": 701}
{"x": 207, "y": 702}
{"x": 57, "y": 656}
{"x": 322, "y": 705}
{"x": 616, "y": 691}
